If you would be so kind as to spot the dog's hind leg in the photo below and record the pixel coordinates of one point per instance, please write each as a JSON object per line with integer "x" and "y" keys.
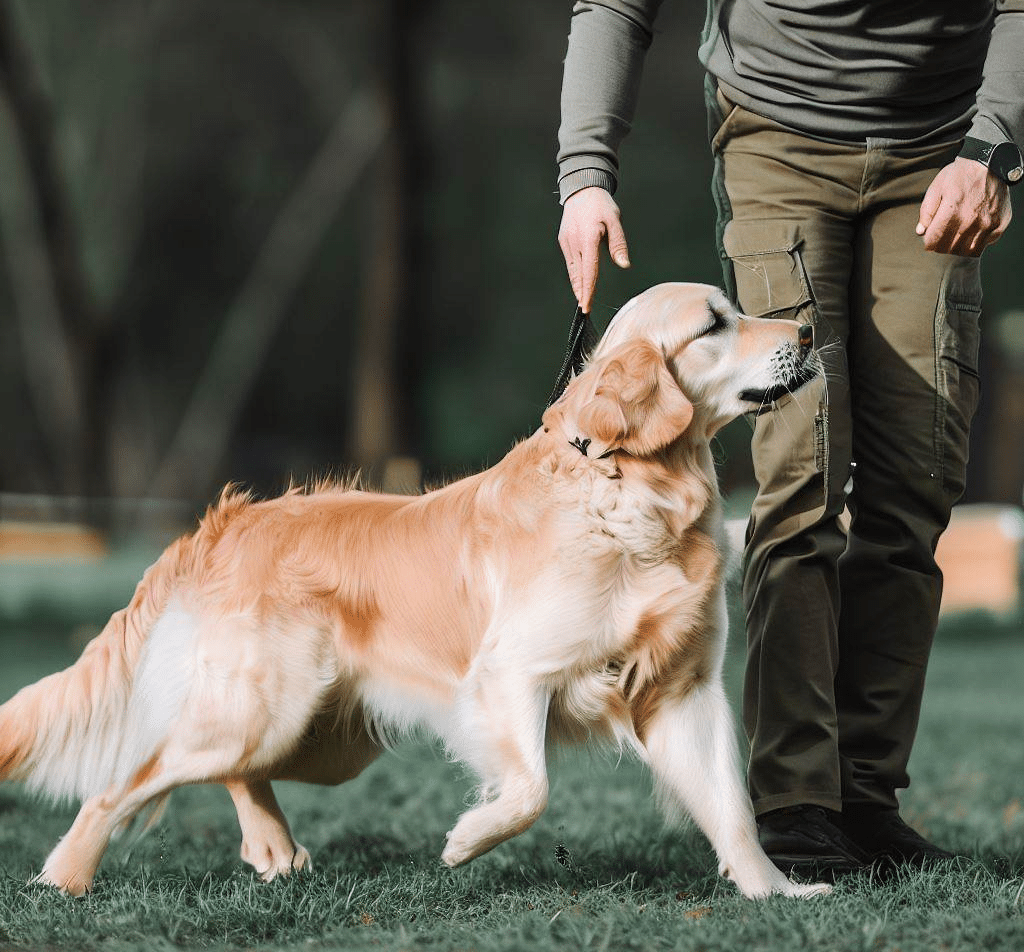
{"x": 267, "y": 843}
{"x": 504, "y": 721}
{"x": 223, "y": 702}
{"x": 72, "y": 864}
{"x": 212, "y": 742}
{"x": 692, "y": 753}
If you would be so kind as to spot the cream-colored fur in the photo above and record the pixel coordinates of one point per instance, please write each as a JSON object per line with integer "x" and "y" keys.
{"x": 572, "y": 591}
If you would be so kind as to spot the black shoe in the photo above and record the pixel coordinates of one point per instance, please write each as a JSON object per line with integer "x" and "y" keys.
{"x": 807, "y": 840}
{"x": 882, "y": 834}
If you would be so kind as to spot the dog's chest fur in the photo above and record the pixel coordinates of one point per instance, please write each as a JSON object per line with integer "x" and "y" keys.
{"x": 641, "y": 522}
{"x": 647, "y": 568}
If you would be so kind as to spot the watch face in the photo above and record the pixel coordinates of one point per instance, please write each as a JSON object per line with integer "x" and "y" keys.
{"x": 1006, "y": 162}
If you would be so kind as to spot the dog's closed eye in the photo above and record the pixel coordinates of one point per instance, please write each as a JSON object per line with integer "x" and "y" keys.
{"x": 717, "y": 321}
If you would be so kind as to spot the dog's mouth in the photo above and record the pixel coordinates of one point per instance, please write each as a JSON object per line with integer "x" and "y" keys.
{"x": 770, "y": 395}
{"x": 794, "y": 366}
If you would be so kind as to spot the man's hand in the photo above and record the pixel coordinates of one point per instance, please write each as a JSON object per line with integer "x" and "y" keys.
{"x": 965, "y": 209}
{"x": 589, "y": 217}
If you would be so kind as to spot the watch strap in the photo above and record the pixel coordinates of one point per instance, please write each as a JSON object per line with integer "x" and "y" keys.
{"x": 1002, "y": 159}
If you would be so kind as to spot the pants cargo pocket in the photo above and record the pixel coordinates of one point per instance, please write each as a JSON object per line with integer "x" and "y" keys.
{"x": 791, "y": 445}
{"x": 957, "y": 345}
{"x": 771, "y": 280}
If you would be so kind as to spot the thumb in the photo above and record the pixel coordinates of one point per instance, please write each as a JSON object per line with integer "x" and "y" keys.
{"x": 617, "y": 243}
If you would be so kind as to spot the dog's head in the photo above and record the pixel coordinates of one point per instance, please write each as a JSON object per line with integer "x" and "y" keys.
{"x": 627, "y": 400}
{"x": 677, "y": 359}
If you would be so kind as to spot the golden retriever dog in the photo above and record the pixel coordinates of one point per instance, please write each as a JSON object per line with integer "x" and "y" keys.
{"x": 574, "y": 591}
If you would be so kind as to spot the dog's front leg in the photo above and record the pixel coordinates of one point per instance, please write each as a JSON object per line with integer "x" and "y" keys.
{"x": 501, "y": 725}
{"x": 692, "y": 753}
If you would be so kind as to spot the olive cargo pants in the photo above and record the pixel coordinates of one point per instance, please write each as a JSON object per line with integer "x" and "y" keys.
{"x": 841, "y": 608}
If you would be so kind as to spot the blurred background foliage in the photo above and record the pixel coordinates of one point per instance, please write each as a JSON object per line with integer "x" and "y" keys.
{"x": 256, "y": 239}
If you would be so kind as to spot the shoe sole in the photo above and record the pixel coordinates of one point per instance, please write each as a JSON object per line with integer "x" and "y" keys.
{"x": 817, "y": 867}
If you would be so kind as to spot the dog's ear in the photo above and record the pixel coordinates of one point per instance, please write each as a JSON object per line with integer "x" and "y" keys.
{"x": 631, "y": 402}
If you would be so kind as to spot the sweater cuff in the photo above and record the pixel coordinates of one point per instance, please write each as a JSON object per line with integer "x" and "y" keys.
{"x": 988, "y": 130}
{"x": 572, "y": 182}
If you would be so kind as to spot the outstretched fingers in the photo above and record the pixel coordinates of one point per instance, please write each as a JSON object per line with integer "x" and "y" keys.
{"x": 590, "y": 218}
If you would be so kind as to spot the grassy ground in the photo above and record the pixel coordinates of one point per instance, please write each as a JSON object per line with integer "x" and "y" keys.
{"x": 597, "y": 872}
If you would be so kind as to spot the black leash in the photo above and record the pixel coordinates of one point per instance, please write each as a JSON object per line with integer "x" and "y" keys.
{"x": 583, "y": 338}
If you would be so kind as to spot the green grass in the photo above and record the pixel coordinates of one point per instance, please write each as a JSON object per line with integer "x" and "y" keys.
{"x": 598, "y": 871}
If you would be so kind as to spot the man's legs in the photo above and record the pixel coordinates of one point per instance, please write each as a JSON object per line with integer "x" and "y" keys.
{"x": 832, "y": 696}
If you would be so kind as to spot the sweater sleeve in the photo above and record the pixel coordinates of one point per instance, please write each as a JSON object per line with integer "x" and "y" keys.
{"x": 608, "y": 41}
{"x": 1000, "y": 113}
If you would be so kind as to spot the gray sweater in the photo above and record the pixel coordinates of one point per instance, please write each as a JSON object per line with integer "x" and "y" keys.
{"x": 842, "y": 70}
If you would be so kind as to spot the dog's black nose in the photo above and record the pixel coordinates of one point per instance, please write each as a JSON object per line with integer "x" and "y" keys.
{"x": 806, "y": 335}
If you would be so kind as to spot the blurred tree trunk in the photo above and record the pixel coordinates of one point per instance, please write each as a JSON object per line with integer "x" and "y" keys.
{"x": 384, "y": 431}
{"x": 191, "y": 462}
{"x": 59, "y": 325}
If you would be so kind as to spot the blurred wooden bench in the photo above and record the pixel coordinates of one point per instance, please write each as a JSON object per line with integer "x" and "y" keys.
{"x": 981, "y": 555}
{"x": 50, "y": 540}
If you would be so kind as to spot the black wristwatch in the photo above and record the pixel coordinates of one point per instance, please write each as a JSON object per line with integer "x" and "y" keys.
{"x": 1003, "y": 159}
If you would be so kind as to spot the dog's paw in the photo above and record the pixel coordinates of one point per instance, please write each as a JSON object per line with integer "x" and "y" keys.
{"x": 70, "y": 885}
{"x": 300, "y": 860}
{"x": 759, "y": 880}
{"x": 458, "y": 851}
{"x": 270, "y": 862}
{"x": 454, "y": 853}
{"x": 806, "y": 890}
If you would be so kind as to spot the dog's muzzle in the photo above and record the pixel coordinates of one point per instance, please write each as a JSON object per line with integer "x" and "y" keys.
{"x": 805, "y": 369}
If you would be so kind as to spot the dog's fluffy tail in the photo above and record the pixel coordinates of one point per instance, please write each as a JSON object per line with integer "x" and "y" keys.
{"x": 64, "y": 735}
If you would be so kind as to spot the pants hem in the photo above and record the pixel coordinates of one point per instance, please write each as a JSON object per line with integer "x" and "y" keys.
{"x": 811, "y": 798}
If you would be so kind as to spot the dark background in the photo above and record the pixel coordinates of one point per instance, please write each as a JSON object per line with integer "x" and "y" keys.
{"x": 256, "y": 239}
